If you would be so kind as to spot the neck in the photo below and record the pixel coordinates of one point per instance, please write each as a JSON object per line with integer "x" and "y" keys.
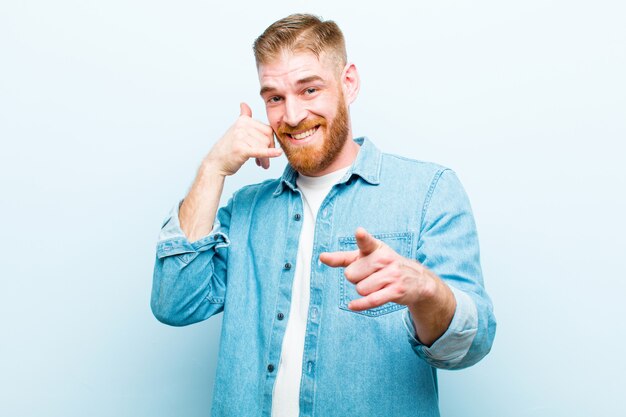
{"x": 344, "y": 158}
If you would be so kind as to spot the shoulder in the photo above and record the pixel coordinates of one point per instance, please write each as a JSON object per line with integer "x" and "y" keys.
{"x": 253, "y": 191}
{"x": 408, "y": 169}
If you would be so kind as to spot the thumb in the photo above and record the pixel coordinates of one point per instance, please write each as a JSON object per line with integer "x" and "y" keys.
{"x": 366, "y": 242}
{"x": 244, "y": 110}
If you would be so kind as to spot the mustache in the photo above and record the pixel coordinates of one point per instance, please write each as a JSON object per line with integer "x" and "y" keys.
{"x": 303, "y": 126}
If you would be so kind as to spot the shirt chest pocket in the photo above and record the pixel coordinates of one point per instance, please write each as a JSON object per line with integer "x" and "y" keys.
{"x": 400, "y": 242}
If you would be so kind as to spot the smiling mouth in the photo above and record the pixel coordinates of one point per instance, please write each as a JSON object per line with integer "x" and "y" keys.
{"x": 303, "y": 135}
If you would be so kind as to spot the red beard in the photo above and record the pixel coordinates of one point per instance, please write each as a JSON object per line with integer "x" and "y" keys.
{"x": 314, "y": 158}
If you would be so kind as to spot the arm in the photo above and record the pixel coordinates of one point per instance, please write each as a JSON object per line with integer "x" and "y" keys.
{"x": 448, "y": 246}
{"x": 451, "y": 319}
{"x": 189, "y": 281}
{"x": 381, "y": 275}
{"x": 247, "y": 138}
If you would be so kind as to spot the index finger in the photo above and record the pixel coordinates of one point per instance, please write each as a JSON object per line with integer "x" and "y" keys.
{"x": 339, "y": 259}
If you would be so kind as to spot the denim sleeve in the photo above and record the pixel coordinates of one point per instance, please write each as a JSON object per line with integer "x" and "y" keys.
{"x": 448, "y": 246}
{"x": 189, "y": 281}
{"x": 453, "y": 345}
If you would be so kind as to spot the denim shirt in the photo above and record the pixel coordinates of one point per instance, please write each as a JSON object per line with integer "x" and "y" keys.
{"x": 367, "y": 363}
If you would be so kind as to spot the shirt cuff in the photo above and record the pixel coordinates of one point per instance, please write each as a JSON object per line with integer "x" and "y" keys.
{"x": 173, "y": 241}
{"x": 454, "y": 344}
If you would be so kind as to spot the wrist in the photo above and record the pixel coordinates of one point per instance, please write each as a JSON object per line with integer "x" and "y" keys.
{"x": 433, "y": 313}
{"x": 210, "y": 168}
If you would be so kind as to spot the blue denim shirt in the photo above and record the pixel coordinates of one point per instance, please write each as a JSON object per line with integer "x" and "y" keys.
{"x": 366, "y": 363}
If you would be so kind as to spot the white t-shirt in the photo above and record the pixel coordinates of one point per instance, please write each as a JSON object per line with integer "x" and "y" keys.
{"x": 286, "y": 397}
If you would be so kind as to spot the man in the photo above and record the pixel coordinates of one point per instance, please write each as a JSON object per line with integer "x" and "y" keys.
{"x": 346, "y": 282}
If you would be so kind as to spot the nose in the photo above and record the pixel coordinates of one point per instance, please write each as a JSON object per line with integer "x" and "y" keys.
{"x": 294, "y": 112}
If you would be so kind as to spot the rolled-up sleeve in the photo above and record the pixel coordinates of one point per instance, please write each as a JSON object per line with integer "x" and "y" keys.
{"x": 189, "y": 280}
{"x": 451, "y": 347}
{"x": 448, "y": 246}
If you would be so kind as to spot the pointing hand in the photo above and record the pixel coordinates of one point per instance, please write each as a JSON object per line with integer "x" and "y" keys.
{"x": 380, "y": 274}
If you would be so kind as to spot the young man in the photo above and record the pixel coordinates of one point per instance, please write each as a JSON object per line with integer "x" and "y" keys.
{"x": 346, "y": 282}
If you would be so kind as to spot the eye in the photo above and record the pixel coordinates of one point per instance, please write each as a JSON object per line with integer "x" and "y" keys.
{"x": 273, "y": 100}
{"x": 310, "y": 90}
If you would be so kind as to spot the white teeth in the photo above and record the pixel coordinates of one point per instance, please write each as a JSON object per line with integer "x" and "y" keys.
{"x": 303, "y": 135}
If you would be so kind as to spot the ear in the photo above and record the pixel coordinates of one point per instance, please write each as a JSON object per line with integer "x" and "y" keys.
{"x": 350, "y": 82}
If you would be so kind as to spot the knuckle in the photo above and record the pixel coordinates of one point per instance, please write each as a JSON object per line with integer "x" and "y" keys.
{"x": 361, "y": 288}
{"x": 400, "y": 290}
{"x": 395, "y": 269}
{"x": 389, "y": 280}
{"x": 375, "y": 299}
{"x": 378, "y": 263}
{"x": 349, "y": 274}
{"x": 238, "y": 148}
{"x": 358, "y": 304}
{"x": 386, "y": 257}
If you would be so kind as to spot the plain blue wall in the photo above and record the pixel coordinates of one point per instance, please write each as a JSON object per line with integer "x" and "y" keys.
{"x": 106, "y": 109}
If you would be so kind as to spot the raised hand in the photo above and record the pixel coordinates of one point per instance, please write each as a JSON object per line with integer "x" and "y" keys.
{"x": 246, "y": 138}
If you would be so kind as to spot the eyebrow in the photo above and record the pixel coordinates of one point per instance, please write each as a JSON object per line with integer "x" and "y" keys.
{"x": 310, "y": 79}
{"x": 306, "y": 80}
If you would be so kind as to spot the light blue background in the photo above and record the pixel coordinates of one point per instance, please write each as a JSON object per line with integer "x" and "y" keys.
{"x": 106, "y": 109}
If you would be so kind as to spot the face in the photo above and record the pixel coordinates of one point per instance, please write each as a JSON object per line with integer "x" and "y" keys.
{"x": 307, "y": 109}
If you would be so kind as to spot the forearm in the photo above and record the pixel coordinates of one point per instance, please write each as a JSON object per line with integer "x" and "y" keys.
{"x": 465, "y": 341}
{"x": 197, "y": 213}
{"x": 448, "y": 247}
{"x": 434, "y": 311}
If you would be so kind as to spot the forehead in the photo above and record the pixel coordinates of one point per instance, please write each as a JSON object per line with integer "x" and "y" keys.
{"x": 290, "y": 67}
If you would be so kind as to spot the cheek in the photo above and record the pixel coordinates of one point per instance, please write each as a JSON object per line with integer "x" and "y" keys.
{"x": 273, "y": 117}
{"x": 324, "y": 109}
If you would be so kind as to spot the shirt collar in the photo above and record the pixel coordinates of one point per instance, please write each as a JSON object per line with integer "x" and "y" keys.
{"x": 366, "y": 165}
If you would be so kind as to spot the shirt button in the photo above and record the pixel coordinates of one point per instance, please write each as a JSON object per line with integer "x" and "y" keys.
{"x": 288, "y": 266}
{"x": 270, "y": 368}
{"x": 297, "y": 217}
{"x": 314, "y": 313}
{"x": 280, "y": 316}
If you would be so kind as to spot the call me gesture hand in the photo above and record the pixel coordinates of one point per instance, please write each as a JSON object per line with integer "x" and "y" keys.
{"x": 245, "y": 139}
{"x": 381, "y": 275}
